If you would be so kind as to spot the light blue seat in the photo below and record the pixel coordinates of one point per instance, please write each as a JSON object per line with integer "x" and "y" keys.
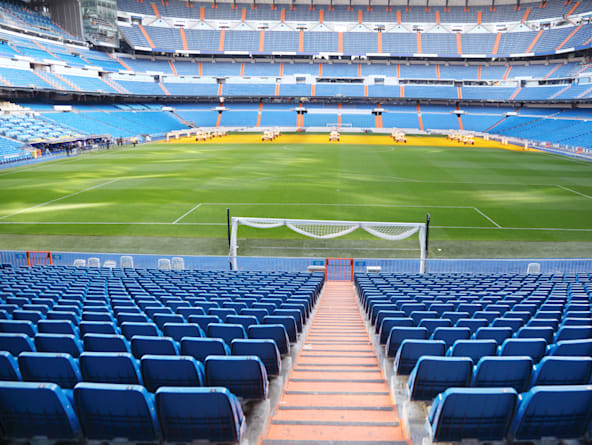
{"x": 108, "y": 412}
{"x": 60, "y": 369}
{"x": 560, "y": 412}
{"x": 503, "y": 372}
{"x": 200, "y": 414}
{"x": 110, "y": 367}
{"x": 29, "y": 410}
{"x": 562, "y": 371}
{"x": 433, "y": 375}
{"x": 162, "y": 370}
{"x": 142, "y": 345}
{"x": 474, "y": 349}
{"x": 244, "y": 376}
{"x": 265, "y": 349}
{"x": 398, "y": 334}
{"x": 200, "y": 348}
{"x": 67, "y": 344}
{"x": 530, "y": 347}
{"x": 471, "y": 413}
{"x": 411, "y": 351}
{"x": 9, "y": 370}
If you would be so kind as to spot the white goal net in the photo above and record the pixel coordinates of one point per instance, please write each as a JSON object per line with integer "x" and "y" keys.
{"x": 324, "y": 229}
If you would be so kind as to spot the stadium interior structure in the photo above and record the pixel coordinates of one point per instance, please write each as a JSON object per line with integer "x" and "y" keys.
{"x": 328, "y": 356}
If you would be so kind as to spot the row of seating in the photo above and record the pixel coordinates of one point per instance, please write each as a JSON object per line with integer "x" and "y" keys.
{"x": 433, "y": 374}
{"x": 107, "y": 412}
{"x": 487, "y": 414}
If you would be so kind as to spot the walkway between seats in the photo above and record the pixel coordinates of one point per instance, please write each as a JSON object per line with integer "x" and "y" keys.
{"x": 336, "y": 392}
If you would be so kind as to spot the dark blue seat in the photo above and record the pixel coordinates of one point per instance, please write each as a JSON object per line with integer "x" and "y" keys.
{"x": 472, "y": 323}
{"x": 60, "y": 369}
{"x": 386, "y": 313}
{"x": 244, "y": 320}
{"x": 204, "y": 320}
{"x": 512, "y": 323}
{"x": 9, "y": 369}
{"x": 287, "y": 321}
{"x": 398, "y": 334}
{"x": 474, "y": 349}
{"x": 257, "y": 313}
{"x": 431, "y": 324}
{"x": 294, "y": 313}
{"x": 18, "y": 327}
{"x": 433, "y": 375}
{"x": 32, "y": 316}
{"x": 29, "y": 410}
{"x": 573, "y": 333}
{"x": 110, "y": 367}
{"x": 487, "y": 315}
{"x": 179, "y": 330}
{"x": 105, "y": 343}
{"x": 187, "y": 311}
{"x": 67, "y": 344}
{"x": 97, "y": 327}
{"x": 200, "y": 414}
{"x": 499, "y": 334}
{"x": 418, "y": 316}
{"x": 56, "y": 327}
{"x": 265, "y": 349}
{"x": 160, "y": 370}
{"x": 161, "y": 319}
{"x": 389, "y": 323}
{"x": 543, "y": 323}
{"x": 471, "y": 413}
{"x": 546, "y": 333}
{"x": 275, "y": 332}
{"x": 455, "y": 316}
{"x": 410, "y": 352}
{"x": 244, "y": 376}
{"x": 577, "y": 321}
{"x": 70, "y": 316}
{"x": 16, "y": 343}
{"x": 560, "y": 412}
{"x": 221, "y": 312}
{"x": 226, "y": 332}
{"x": 450, "y": 335}
{"x": 142, "y": 345}
{"x": 503, "y": 372}
{"x": 97, "y": 316}
{"x": 530, "y": 347}
{"x": 562, "y": 371}
{"x": 573, "y": 348}
{"x": 200, "y": 348}
{"x": 109, "y": 411}
{"x": 129, "y": 329}
{"x": 127, "y": 317}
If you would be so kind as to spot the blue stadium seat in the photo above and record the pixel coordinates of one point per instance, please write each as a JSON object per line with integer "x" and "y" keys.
{"x": 222, "y": 313}
{"x": 200, "y": 348}
{"x": 431, "y": 324}
{"x": 187, "y": 311}
{"x": 105, "y": 343}
{"x": 472, "y": 323}
{"x": 244, "y": 320}
{"x": 57, "y": 327}
{"x": 129, "y": 329}
{"x": 562, "y": 371}
{"x": 179, "y": 330}
{"x": 418, "y": 316}
{"x": 503, "y": 372}
{"x": 573, "y": 333}
{"x": 433, "y": 375}
{"x": 257, "y": 313}
{"x": 204, "y": 320}
{"x": 389, "y": 323}
{"x": 534, "y": 348}
{"x": 287, "y": 321}
{"x": 450, "y": 335}
{"x": 161, "y": 319}
{"x": 97, "y": 316}
{"x": 32, "y": 316}
{"x": 244, "y": 376}
{"x": 18, "y": 327}
{"x": 546, "y": 333}
{"x": 574, "y": 348}
{"x": 159, "y": 370}
{"x": 499, "y": 334}
{"x": 411, "y": 351}
{"x": 265, "y": 349}
{"x": 142, "y": 345}
{"x": 471, "y": 413}
{"x": 559, "y": 412}
{"x": 275, "y": 332}
{"x": 9, "y": 369}
{"x": 67, "y": 344}
{"x": 108, "y": 411}
{"x": 62, "y": 315}
{"x": 294, "y": 313}
{"x": 60, "y": 369}
{"x": 110, "y": 367}
{"x": 97, "y": 327}
{"x": 16, "y": 343}
{"x": 200, "y": 414}
{"x": 126, "y": 317}
{"x": 474, "y": 349}
{"x": 46, "y": 408}
{"x": 398, "y": 334}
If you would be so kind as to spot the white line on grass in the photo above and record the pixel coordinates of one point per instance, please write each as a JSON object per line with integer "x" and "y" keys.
{"x": 62, "y": 197}
{"x": 187, "y": 213}
{"x": 332, "y": 205}
{"x": 486, "y": 217}
{"x": 574, "y": 191}
{"x": 548, "y": 229}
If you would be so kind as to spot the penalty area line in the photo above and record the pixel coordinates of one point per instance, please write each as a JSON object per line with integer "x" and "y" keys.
{"x": 186, "y": 213}
{"x": 487, "y": 218}
{"x": 575, "y": 191}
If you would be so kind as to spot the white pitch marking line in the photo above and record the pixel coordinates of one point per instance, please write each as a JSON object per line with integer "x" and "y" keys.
{"x": 187, "y": 213}
{"x": 60, "y": 198}
{"x": 487, "y": 217}
{"x": 575, "y": 191}
{"x": 333, "y": 205}
{"x": 548, "y": 229}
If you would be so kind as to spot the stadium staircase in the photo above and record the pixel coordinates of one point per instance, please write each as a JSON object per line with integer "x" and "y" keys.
{"x": 336, "y": 392}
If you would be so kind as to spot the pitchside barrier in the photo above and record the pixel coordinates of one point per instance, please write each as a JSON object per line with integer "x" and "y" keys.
{"x": 288, "y": 264}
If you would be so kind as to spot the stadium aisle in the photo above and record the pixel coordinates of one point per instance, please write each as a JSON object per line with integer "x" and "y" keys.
{"x": 336, "y": 393}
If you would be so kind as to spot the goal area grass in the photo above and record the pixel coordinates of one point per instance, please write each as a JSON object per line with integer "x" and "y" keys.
{"x": 171, "y": 198}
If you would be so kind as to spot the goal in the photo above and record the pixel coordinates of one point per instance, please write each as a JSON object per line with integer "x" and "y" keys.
{"x": 326, "y": 229}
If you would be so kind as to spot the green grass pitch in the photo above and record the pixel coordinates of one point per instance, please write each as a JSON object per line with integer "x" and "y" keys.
{"x": 171, "y": 198}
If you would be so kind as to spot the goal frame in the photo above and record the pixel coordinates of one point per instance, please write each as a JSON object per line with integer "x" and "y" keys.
{"x": 236, "y": 221}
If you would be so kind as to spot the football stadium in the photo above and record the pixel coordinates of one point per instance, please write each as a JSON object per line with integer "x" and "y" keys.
{"x": 295, "y": 222}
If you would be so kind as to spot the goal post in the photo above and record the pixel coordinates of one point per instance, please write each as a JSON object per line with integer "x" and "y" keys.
{"x": 327, "y": 229}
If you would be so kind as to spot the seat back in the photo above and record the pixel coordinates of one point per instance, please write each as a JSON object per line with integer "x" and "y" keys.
{"x": 275, "y": 332}
{"x": 226, "y": 332}
{"x": 110, "y": 411}
{"x": 410, "y": 352}
{"x": 244, "y": 376}
{"x": 398, "y": 334}
{"x": 474, "y": 349}
{"x": 129, "y": 329}
{"x": 46, "y": 408}
{"x": 499, "y": 334}
{"x": 530, "y": 347}
{"x": 56, "y": 327}
{"x": 391, "y": 322}
{"x": 18, "y": 327}
{"x": 503, "y": 372}
{"x": 450, "y": 335}
{"x": 16, "y": 343}
{"x": 572, "y": 348}
{"x": 179, "y": 330}
{"x": 200, "y": 414}
{"x": 562, "y": 371}
{"x": 433, "y": 375}
{"x": 200, "y": 348}
{"x": 161, "y": 370}
{"x": 61, "y": 343}
{"x": 60, "y": 369}
{"x": 110, "y": 367}
{"x": 97, "y": 327}
{"x": 9, "y": 370}
{"x": 142, "y": 345}
{"x": 105, "y": 343}
{"x": 265, "y": 349}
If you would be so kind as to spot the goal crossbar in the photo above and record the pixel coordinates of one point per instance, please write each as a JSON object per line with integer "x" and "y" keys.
{"x": 327, "y": 229}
